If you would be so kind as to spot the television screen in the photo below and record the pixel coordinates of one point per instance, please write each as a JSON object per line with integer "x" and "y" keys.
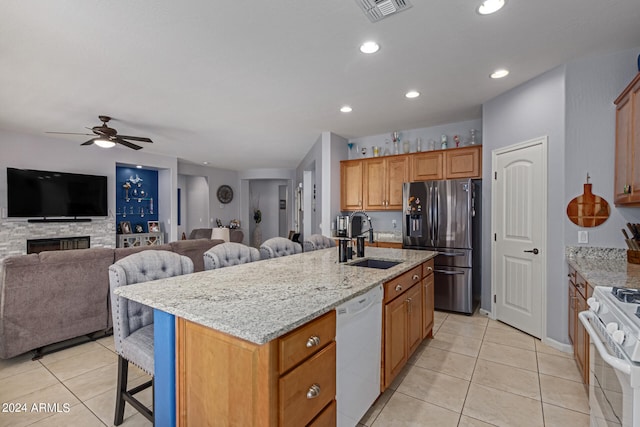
{"x": 34, "y": 193}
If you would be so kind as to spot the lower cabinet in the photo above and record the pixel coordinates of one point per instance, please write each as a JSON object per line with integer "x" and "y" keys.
{"x": 579, "y": 292}
{"x": 407, "y": 319}
{"x": 428, "y": 299}
{"x": 290, "y": 381}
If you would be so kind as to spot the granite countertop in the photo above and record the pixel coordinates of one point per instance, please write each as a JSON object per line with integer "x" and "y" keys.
{"x": 263, "y": 300}
{"x": 604, "y": 267}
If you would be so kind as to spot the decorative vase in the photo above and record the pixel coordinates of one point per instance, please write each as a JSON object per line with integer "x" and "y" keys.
{"x": 257, "y": 236}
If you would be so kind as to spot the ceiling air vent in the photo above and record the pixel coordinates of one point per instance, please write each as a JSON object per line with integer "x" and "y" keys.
{"x": 380, "y": 9}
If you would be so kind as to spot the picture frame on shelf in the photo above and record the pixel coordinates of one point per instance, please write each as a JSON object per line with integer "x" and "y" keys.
{"x": 154, "y": 226}
{"x": 125, "y": 227}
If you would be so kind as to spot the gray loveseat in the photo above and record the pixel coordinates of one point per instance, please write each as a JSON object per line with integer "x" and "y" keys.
{"x": 54, "y": 296}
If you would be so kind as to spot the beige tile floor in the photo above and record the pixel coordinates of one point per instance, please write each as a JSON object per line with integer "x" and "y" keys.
{"x": 479, "y": 372}
{"x": 475, "y": 372}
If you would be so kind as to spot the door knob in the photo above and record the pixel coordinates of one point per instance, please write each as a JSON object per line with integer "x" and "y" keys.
{"x": 534, "y": 251}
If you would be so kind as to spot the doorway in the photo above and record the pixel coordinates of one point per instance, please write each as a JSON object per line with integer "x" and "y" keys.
{"x": 519, "y": 243}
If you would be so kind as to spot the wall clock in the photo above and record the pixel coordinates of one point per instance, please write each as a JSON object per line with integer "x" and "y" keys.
{"x": 225, "y": 194}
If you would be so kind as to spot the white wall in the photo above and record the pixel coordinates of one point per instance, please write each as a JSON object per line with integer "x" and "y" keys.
{"x": 196, "y": 207}
{"x": 533, "y": 109}
{"x": 592, "y": 85}
{"x": 312, "y": 162}
{"x": 215, "y": 178}
{"x": 334, "y": 149}
{"x": 269, "y": 192}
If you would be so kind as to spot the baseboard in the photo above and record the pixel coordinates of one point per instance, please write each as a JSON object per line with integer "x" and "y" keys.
{"x": 484, "y": 312}
{"x": 565, "y": 348}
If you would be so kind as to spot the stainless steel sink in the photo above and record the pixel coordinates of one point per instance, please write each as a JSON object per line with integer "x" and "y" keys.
{"x": 381, "y": 264}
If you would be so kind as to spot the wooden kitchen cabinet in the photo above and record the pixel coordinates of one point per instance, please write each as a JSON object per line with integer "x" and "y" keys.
{"x": 627, "y": 150}
{"x": 405, "y": 311}
{"x": 427, "y": 166}
{"x": 375, "y": 184}
{"x": 428, "y": 299}
{"x": 579, "y": 292}
{"x": 464, "y": 162}
{"x": 351, "y": 185}
{"x": 382, "y": 182}
{"x": 234, "y": 382}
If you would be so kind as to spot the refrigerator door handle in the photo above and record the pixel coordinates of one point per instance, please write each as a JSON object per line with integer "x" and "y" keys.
{"x": 437, "y": 216}
{"x": 451, "y": 253}
{"x": 448, "y": 273}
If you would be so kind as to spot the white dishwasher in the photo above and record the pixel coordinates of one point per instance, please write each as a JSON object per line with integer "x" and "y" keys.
{"x": 358, "y": 347}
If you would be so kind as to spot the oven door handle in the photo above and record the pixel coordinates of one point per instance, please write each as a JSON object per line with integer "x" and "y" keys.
{"x": 619, "y": 364}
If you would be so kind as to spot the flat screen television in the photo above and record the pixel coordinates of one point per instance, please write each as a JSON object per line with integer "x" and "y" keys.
{"x": 34, "y": 193}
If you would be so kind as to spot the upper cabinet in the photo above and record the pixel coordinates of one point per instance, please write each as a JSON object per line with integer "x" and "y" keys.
{"x": 382, "y": 183}
{"x": 351, "y": 185}
{"x": 465, "y": 162}
{"x": 376, "y": 183}
{"x": 427, "y": 166}
{"x": 627, "y": 172}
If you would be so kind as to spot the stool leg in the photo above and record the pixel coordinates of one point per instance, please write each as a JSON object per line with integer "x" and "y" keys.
{"x": 123, "y": 373}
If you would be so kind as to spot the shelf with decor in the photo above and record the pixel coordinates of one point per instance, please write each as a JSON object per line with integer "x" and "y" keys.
{"x": 139, "y": 239}
{"x": 136, "y": 197}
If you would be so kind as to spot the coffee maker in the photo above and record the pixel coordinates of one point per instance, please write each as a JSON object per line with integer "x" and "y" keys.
{"x": 342, "y": 225}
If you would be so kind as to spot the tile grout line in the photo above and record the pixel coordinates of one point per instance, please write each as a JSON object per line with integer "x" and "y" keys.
{"x": 475, "y": 364}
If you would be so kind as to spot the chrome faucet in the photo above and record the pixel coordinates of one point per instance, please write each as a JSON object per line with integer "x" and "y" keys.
{"x": 370, "y": 230}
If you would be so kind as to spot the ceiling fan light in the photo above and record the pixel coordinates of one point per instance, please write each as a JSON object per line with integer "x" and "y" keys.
{"x": 104, "y": 143}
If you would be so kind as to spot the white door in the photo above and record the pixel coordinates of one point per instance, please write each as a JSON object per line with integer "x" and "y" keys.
{"x": 519, "y": 215}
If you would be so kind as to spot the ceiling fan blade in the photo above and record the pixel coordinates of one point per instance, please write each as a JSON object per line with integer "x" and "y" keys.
{"x": 126, "y": 143}
{"x": 89, "y": 142}
{"x": 71, "y": 133}
{"x": 135, "y": 138}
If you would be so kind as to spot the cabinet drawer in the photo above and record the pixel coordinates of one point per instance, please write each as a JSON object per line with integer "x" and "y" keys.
{"x": 305, "y": 341}
{"x": 582, "y": 287}
{"x": 400, "y": 284}
{"x": 427, "y": 268}
{"x": 327, "y": 418}
{"x": 306, "y": 390}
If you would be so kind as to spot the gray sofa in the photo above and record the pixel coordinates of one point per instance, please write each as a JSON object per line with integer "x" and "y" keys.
{"x": 54, "y": 296}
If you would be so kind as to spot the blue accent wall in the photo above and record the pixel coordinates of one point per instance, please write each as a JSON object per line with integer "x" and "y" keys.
{"x": 141, "y": 205}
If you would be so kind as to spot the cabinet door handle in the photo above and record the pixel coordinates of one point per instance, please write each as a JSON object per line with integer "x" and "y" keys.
{"x": 313, "y": 341}
{"x": 313, "y": 392}
{"x": 416, "y": 277}
{"x": 398, "y": 288}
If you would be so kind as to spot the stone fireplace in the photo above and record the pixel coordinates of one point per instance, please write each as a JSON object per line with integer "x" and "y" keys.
{"x": 14, "y": 233}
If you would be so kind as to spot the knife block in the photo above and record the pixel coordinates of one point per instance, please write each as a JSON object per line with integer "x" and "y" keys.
{"x": 633, "y": 257}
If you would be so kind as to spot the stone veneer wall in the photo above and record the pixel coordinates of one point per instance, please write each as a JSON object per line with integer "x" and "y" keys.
{"x": 15, "y": 233}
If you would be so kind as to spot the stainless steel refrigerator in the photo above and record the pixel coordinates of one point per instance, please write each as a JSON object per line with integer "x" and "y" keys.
{"x": 444, "y": 216}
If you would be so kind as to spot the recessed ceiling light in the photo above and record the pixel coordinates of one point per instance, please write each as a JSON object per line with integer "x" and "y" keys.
{"x": 346, "y": 109}
{"x": 104, "y": 143}
{"x": 369, "y": 47}
{"x": 490, "y": 6}
{"x": 205, "y": 163}
{"x": 412, "y": 94}
{"x": 498, "y": 74}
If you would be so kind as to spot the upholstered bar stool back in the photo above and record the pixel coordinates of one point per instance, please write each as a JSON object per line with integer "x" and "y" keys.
{"x": 133, "y": 322}
{"x": 317, "y": 241}
{"x": 279, "y": 246}
{"x": 227, "y": 254}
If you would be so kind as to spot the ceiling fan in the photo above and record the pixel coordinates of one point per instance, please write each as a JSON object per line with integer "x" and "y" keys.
{"x": 107, "y": 137}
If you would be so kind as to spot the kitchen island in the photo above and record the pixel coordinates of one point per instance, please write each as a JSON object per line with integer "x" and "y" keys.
{"x": 242, "y": 311}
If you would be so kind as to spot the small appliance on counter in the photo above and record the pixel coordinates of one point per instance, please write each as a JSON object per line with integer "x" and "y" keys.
{"x": 342, "y": 225}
